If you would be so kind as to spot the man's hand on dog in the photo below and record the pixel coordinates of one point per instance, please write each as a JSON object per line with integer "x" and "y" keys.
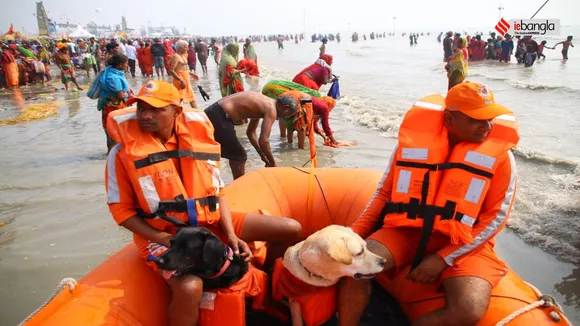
{"x": 428, "y": 270}
{"x": 165, "y": 239}
{"x": 238, "y": 244}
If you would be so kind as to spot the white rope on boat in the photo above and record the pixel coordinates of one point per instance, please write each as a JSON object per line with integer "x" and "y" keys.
{"x": 71, "y": 282}
{"x": 544, "y": 301}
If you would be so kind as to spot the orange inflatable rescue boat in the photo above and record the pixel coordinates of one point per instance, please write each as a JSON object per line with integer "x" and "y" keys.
{"x": 123, "y": 291}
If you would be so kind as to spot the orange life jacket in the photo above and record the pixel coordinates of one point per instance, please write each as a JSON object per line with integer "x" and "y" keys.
{"x": 317, "y": 304}
{"x": 228, "y": 306}
{"x": 439, "y": 188}
{"x": 187, "y": 192}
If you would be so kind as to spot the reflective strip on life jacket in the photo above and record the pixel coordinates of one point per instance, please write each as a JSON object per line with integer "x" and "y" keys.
{"x": 113, "y": 193}
{"x": 196, "y": 116}
{"x": 499, "y": 220}
{"x": 428, "y": 105}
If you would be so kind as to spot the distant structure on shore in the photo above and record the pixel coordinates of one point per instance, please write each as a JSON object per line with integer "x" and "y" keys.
{"x": 54, "y": 29}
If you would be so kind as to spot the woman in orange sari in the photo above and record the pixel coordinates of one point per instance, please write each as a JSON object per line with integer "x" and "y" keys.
{"x": 140, "y": 57}
{"x": 147, "y": 58}
{"x": 10, "y": 67}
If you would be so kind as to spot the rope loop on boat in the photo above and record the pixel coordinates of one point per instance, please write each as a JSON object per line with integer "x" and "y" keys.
{"x": 544, "y": 301}
{"x": 68, "y": 281}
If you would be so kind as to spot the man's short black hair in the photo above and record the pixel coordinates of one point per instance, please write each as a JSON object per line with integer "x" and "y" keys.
{"x": 111, "y": 46}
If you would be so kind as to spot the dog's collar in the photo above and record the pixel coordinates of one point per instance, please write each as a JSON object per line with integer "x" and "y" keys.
{"x": 229, "y": 256}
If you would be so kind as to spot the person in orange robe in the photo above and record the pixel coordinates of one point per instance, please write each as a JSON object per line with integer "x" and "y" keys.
{"x": 147, "y": 60}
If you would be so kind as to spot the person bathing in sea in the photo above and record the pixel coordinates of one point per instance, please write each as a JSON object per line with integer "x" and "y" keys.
{"x": 565, "y": 46}
{"x": 233, "y": 110}
{"x": 323, "y": 47}
{"x": 317, "y": 74}
{"x": 507, "y": 48}
{"x": 541, "y": 50}
{"x": 531, "y": 48}
{"x": 321, "y": 108}
{"x": 457, "y": 65}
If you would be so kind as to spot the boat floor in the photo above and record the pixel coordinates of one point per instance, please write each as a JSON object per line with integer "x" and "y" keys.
{"x": 382, "y": 310}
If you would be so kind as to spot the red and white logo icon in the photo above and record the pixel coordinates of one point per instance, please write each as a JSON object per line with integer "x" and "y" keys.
{"x": 502, "y": 27}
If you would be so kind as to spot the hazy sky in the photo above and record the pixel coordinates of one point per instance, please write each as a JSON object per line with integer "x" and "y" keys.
{"x": 240, "y": 17}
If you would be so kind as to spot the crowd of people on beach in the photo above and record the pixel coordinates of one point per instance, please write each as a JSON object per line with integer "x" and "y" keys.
{"x": 501, "y": 48}
{"x": 458, "y": 50}
{"x": 27, "y": 62}
{"x": 176, "y": 58}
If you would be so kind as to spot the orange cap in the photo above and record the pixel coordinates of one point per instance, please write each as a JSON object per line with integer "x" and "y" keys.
{"x": 474, "y": 100}
{"x": 158, "y": 94}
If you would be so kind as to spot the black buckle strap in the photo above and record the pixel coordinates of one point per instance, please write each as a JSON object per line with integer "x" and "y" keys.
{"x": 414, "y": 210}
{"x": 419, "y": 208}
{"x": 179, "y": 205}
{"x": 162, "y": 215}
{"x": 178, "y": 153}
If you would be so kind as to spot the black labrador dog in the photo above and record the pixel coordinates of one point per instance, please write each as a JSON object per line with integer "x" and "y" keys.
{"x": 198, "y": 251}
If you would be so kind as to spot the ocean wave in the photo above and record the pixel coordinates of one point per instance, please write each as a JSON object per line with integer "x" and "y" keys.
{"x": 523, "y": 84}
{"x": 536, "y": 86}
{"x": 550, "y": 221}
{"x": 267, "y": 74}
{"x": 50, "y": 185}
{"x": 358, "y": 111}
{"x": 534, "y": 155}
{"x": 480, "y": 74}
{"x": 354, "y": 53}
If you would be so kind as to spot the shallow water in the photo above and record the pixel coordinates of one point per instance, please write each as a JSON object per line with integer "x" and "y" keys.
{"x": 52, "y": 196}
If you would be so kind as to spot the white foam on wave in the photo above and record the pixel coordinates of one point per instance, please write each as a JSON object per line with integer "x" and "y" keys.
{"x": 532, "y": 154}
{"x": 481, "y": 74}
{"x": 550, "y": 221}
{"x": 522, "y": 84}
{"x": 358, "y": 111}
{"x": 547, "y": 209}
{"x": 267, "y": 74}
{"x": 533, "y": 86}
{"x": 354, "y": 53}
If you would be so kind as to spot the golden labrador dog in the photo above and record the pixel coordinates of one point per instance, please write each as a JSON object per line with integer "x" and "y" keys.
{"x": 325, "y": 257}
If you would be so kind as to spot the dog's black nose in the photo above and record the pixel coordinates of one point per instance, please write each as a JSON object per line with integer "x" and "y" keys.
{"x": 159, "y": 261}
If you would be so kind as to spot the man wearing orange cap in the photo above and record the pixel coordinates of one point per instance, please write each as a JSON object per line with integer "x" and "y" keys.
{"x": 446, "y": 193}
{"x": 163, "y": 174}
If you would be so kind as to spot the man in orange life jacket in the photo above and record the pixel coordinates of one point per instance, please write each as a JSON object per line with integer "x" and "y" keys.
{"x": 446, "y": 193}
{"x": 166, "y": 165}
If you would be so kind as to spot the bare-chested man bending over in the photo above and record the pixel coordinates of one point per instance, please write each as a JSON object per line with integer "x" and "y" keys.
{"x": 233, "y": 110}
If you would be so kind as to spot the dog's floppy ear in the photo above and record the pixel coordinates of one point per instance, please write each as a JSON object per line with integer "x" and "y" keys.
{"x": 211, "y": 247}
{"x": 338, "y": 250}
